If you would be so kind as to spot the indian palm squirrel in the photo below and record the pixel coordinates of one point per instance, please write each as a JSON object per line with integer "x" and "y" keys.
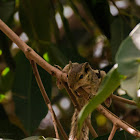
{"x": 81, "y": 75}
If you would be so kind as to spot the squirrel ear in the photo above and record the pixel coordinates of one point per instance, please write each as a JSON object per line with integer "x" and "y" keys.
{"x": 86, "y": 67}
{"x": 70, "y": 64}
{"x": 98, "y": 74}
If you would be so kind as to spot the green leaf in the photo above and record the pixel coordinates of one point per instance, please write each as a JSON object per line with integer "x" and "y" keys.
{"x": 128, "y": 57}
{"x": 5, "y": 47}
{"x": 30, "y": 105}
{"x": 5, "y": 71}
{"x": 6, "y": 81}
{"x": 77, "y": 13}
{"x": 35, "y": 17}
{"x": 109, "y": 84}
{"x": 68, "y": 45}
{"x": 56, "y": 56}
{"x": 119, "y": 31}
{"x": 131, "y": 84}
{"x": 46, "y": 57}
{"x": 7, "y": 129}
{"x": 0, "y": 52}
{"x": 101, "y": 13}
{"x": 6, "y": 9}
{"x": 65, "y": 24}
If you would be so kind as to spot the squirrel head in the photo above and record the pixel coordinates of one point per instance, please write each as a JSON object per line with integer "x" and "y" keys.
{"x": 79, "y": 75}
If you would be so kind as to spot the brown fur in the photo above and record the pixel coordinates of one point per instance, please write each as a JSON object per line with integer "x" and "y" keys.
{"x": 81, "y": 75}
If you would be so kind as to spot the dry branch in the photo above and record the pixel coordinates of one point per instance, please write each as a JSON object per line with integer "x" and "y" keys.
{"x": 29, "y": 52}
{"x": 120, "y": 123}
{"x": 113, "y": 132}
{"x": 115, "y": 120}
{"x": 47, "y": 101}
{"x": 32, "y": 55}
{"x": 77, "y": 105}
{"x": 120, "y": 99}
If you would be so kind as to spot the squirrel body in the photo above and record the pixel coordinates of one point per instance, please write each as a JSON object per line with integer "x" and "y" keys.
{"x": 81, "y": 75}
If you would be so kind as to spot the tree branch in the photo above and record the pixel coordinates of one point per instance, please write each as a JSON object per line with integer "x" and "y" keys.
{"x": 115, "y": 120}
{"x": 48, "y": 103}
{"x": 113, "y": 132}
{"x": 114, "y": 97}
{"x": 32, "y": 55}
{"x": 77, "y": 105}
{"x": 120, "y": 123}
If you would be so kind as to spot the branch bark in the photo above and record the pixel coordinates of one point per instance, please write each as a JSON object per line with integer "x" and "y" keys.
{"x": 48, "y": 103}
{"x": 114, "y": 97}
{"x": 77, "y": 105}
{"x": 116, "y": 120}
{"x": 32, "y": 55}
{"x": 113, "y": 132}
{"x": 120, "y": 123}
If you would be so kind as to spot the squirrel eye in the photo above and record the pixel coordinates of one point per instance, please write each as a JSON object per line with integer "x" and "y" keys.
{"x": 86, "y": 70}
{"x": 81, "y": 76}
{"x": 67, "y": 75}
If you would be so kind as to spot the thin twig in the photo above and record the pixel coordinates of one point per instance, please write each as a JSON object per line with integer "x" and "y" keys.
{"x": 32, "y": 55}
{"x": 116, "y": 120}
{"x": 83, "y": 21}
{"x": 122, "y": 14}
{"x": 113, "y": 132}
{"x": 120, "y": 123}
{"x": 120, "y": 99}
{"x": 77, "y": 105}
{"x": 48, "y": 103}
{"x": 115, "y": 6}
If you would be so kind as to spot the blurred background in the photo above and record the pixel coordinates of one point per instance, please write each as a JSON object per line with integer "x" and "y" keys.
{"x": 59, "y": 31}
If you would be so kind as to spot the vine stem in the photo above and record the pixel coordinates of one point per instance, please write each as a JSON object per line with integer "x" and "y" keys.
{"x": 32, "y": 55}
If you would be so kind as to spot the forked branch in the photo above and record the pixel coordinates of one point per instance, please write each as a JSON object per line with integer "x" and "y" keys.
{"x": 117, "y": 121}
{"x": 78, "y": 107}
{"x": 32, "y": 55}
{"x": 48, "y": 103}
{"x": 113, "y": 132}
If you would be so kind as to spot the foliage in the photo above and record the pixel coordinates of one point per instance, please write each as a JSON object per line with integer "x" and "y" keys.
{"x": 128, "y": 67}
{"x": 129, "y": 62}
{"x": 92, "y": 33}
{"x": 121, "y": 135}
{"x": 113, "y": 79}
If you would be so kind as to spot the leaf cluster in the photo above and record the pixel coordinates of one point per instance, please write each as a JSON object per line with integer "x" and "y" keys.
{"x": 92, "y": 33}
